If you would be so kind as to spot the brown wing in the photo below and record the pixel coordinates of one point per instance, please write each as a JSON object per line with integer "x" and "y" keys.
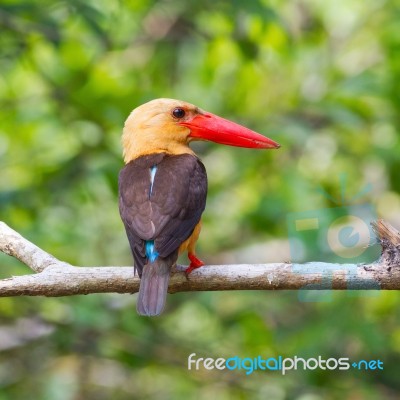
{"x": 166, "y": 210}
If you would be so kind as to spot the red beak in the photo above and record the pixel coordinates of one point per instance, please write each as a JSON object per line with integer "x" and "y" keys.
{"x": 208, "y": 126}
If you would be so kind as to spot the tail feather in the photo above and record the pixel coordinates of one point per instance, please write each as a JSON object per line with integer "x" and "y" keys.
{"x": 153, "y": 288}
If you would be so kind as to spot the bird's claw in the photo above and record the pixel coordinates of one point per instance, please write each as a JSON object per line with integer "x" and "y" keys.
{"x": 194, "y": 263}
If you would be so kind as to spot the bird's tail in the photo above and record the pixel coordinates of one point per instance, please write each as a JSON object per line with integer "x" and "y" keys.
{"x": 153, "y": 287}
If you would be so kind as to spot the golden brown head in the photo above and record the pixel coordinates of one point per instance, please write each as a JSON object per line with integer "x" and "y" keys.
{"x": 153, "y": 128}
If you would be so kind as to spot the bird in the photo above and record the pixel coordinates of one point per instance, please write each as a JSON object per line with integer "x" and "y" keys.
{"x": 163, "y": 187}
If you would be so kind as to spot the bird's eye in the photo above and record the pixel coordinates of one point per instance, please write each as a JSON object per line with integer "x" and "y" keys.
{"x": 178, "y": 112}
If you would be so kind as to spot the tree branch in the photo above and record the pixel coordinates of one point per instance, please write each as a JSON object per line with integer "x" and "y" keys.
{"x": 53, "y": 277}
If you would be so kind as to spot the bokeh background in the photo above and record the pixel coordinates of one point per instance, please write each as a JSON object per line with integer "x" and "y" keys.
{"x": 320, "y": 77}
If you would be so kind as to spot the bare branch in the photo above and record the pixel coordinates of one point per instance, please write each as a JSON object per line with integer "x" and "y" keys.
{"x": 57, "y": 278}
{"x": 13, "y": 244}
{"x": 389, "y": 239}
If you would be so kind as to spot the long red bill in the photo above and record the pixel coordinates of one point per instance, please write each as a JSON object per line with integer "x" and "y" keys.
{"x": 208, "y": 126}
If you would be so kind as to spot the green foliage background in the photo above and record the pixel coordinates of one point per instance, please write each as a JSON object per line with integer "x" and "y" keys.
{"x": 320, "y": 77}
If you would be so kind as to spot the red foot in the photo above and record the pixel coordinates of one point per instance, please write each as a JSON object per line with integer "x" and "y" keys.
{"x": 194, "y": 263}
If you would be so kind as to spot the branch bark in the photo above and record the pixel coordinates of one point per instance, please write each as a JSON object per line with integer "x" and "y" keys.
{"x": 53, "y": 277}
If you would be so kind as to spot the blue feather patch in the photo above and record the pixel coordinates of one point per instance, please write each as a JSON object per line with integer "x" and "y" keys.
{"x": 151, "y": 252}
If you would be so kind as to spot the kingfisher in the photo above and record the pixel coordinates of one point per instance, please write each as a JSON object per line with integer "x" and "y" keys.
{"x": 163, "y": 187}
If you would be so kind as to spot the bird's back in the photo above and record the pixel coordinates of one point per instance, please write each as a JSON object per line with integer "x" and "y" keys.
{"x": 161, "y": 199}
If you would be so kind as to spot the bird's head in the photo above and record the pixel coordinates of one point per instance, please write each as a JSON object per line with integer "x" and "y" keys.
{"x": 167, "y": 125}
